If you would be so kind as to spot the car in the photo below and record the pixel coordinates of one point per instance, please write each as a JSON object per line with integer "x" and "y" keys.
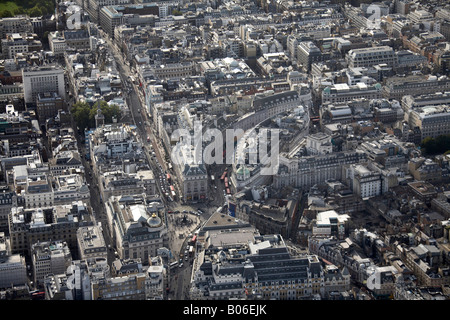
{"x": 181, "y": 264}
{"x": 186, "y": 258}
{"x": 169, "y": 211}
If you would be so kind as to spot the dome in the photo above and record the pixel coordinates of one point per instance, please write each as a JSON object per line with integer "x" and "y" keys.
{"x": 154, "y": 221}
{"x": 242, "y": 173}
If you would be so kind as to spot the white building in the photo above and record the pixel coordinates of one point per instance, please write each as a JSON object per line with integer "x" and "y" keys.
{"x": 137, "y": 228}
{"x": 330, "y": 223}
{"x": 318, "y": 143}
{"x": 368, "y": 57}
{"x": 42, "y": 80}
{"x": 57, "y": 43}
{"x": 49, "y": 258}
{"x": 13, "y": 270}
{"x": 154, "y": 282}
{"x": 433, "y": 120}
{"x": 91, "y": 244}
{"x": 38, "y": 191}
{"x": 343, "y": 93}
{"x": 366, "y": 183}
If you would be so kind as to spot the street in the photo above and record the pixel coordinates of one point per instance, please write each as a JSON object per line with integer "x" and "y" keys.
{"x": 183, "y": 219}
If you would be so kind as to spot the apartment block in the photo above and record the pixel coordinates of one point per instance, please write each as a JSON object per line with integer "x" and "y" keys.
{"x": 17, "y": 24}
{"x": 264, "y": 269}
{"x": 91, "y": 244}
{"x": 16, "y": 43}
{"x": 49, "y": 257}
{"x": 48, "y": 104}
{"x": 28, "y": 226}
{"x": 432, "y": 121}
{"x": 127, "y": 287}
{"x": 137, "y": 227}
{"x": 415, "y": 85}
{"x": 343, "y": 93}
{"x": 13, "y": 269}
{"x": 308, "y": 171}
{"x": 369, "y": 57}
{"x": 307, "y": 54}
{"x": 40, "y": 80}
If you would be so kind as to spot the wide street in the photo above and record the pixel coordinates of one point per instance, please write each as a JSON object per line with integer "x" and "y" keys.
{"x": 183, "y": 219}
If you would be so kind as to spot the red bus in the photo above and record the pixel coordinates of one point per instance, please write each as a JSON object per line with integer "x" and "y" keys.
{"x": 193, "y": 240}
{"x": 223, "y": 176}
{"x": 228, "y": 191}
{"x": 168, "y": 177}
{"x": 37, "y": 295}
{"x": 226, "y": 184}
{"x": 172, "y": 188}
{"x": 315, "y": 119}
{"x": 226, "y": 179}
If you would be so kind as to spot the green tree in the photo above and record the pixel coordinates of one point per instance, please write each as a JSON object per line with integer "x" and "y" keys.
{"x": 84, "y": 114}
{"x": 19, "y": 11}
{"x": 176, "y": 12}
{"x": 6, "y": 14}
{"x": 109, "y": 111}
{"x": 35, "y": 12}
{"x": 81, "y": 114}
{"x": 436, "y": 145}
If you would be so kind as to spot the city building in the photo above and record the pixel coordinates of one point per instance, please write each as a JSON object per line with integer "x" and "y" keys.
{"x": 342, "y": 92}
{"x": 261, "y": 269}
{"x": 13, "y": 269}
{"x": 127, "y": 287}
{"x": 423, "y": 169}
{"x": 415, "y": 85}
{"x": 28, "y": 226}
{"x": 8, "y": 199}
{"x": 137, "y": 228}
{"x": 41, "y": 80}
{"x": 431, "y": 120}
{"x": 308, "y": 171}
{"x": 368, "y": 57}
{"x": 49, "y": 257}
{"x": 366, "y": 183}
{"x": 318, "y": 143}
{"x": 330, "y": 223}
{"x": 91, "y": 244}
{"x": 307, "y": 54}
{"x": 48, "y": 104}
{"x": 16, "y": 43}
{"x": 275, "y": 215}
{"x": 17, "y": 24}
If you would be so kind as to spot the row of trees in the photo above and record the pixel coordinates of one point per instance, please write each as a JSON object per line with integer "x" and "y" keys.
{"x": 84, "y": 114}
{"x": 33, "y": 8}
{"x": 438, "y": 145}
